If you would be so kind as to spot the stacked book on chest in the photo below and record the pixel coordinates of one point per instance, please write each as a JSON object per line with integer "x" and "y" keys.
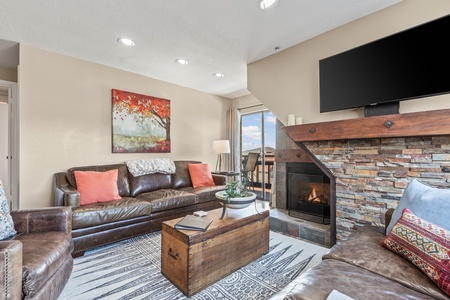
{"x": 191, "y": 222}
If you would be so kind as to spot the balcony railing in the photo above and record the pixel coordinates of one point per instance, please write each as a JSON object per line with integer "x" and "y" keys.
{"x": 258, "y": 173}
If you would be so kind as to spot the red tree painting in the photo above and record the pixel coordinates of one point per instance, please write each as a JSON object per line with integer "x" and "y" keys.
{"x": 140, "y": 123}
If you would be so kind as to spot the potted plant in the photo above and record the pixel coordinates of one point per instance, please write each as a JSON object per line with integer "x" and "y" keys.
{"x": 236, "y": 195}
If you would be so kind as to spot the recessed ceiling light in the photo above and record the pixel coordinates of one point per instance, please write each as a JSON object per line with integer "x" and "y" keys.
{"x": 218, "y": 75}
{"x": 266, "y": 4}
{"x": 127, "y": 42}
{"x": 182, "y": 61}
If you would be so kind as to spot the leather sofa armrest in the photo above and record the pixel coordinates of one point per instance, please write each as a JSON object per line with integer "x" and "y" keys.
{"x": 219, "y": 179}
{"x": 72, "y": 198}
{"x": 43, "y": 220}
{"x": 10, "y": 269}
{"x": 388, "y": 217}
{"x": 64, "y": 193}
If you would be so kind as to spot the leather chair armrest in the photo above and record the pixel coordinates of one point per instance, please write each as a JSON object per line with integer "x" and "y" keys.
{"x": 10, "y": 269}
{"x": 219, "y": 179}
{"x": 388, "y": 217}
{"x": 43, "y": 219}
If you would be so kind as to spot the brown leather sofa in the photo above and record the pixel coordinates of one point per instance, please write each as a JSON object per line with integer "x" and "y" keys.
{"x": 146, "y": 202}
{"x": 361, "y": 268}
{"x": 37, "y": 263}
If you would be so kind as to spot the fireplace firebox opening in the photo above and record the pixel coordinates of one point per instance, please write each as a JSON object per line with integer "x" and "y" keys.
{"x": 308, "y": 192}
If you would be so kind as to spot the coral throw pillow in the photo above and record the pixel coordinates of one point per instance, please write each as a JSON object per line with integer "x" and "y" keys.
{"x": 423, "y": 243}
{"x": 200, "y": 175}
{"x": 6, "y": 221}
{"x": 97, "y": 186}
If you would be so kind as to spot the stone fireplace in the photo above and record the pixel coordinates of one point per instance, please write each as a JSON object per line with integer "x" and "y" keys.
{"x": 370, "y": 173}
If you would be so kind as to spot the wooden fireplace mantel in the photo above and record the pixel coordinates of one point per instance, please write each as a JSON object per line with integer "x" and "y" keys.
{"x": 436, "y": 122}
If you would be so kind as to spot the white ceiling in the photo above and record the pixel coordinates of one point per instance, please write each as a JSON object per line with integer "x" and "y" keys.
{"x": 213, "y": 35}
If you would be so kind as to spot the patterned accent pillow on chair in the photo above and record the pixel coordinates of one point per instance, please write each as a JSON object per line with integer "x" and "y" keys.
{"x": 424, "y": 244}
{"x": 6, "y": 221}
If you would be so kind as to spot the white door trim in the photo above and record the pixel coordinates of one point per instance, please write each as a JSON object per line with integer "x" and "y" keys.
{"x": 13, "y": 136}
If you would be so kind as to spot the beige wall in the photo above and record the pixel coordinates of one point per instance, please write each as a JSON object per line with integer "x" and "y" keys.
{"x": 288, "y": 82}
{"x": 65, "y": 119}
{"x": 248, "y": 104}
{"x": 8, "y": 74}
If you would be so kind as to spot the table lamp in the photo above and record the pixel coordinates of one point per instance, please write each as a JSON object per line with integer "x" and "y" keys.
{"x": 220, "y": 147}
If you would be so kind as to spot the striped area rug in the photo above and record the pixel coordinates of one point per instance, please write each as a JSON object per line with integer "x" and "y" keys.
{"x": 131, "y": 269}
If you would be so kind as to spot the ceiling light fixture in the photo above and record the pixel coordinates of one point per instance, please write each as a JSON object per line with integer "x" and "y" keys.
{"x": 218, "y": 75}
{"x": 266, "y": 4}
{"x": 182, "y": 61}
{"x": 127, "y": 42}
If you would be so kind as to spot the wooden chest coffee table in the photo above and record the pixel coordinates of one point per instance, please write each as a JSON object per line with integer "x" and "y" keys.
{"x": 193, "y": 260}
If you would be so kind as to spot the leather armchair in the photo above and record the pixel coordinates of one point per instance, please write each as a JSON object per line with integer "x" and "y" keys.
{"x": 37, "y": 263}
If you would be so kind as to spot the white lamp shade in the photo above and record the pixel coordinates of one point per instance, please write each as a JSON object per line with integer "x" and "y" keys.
{"x": 267, "y": 4}
{"x": 221, "y": 146}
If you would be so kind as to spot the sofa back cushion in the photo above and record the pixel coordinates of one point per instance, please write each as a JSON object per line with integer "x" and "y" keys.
{"x": 122, "y": 178}
{"x": 149, "y": 183}
{"x": 426, "y": 202}
{"x": 182, "y": 177}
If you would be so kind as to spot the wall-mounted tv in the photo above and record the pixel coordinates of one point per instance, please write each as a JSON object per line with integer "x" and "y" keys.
{"x": 411, "y": 64}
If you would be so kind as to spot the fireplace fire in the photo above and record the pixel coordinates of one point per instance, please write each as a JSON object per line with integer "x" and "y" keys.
{"x": 308, "y": 191}
{"x": 312, "y": 197}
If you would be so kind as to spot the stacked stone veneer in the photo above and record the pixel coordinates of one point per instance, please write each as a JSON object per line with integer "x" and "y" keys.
{"x": 372, "y": 174}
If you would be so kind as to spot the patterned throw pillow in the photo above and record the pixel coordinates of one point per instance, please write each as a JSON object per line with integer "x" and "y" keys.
{"x": 6, "y": 221}
{"x": 423, "y": 243}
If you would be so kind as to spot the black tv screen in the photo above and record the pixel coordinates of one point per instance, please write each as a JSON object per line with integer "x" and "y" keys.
{"x": 410, "y": 64}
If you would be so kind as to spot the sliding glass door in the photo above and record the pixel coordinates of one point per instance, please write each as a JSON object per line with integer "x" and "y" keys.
{"x": 258, "y": 136}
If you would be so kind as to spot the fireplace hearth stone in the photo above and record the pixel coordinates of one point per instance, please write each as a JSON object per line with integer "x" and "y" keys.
{"x": 313, "y": 232}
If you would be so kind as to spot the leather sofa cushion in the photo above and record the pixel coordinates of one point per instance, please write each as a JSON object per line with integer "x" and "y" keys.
{"x": 167, "y": 199}
{"x": 182, "y": 178}
{"x": 363, "y": 249}
{"x": 122, "y": 177}
{"x": 107, "y": 212}
{"x": 149, "y": 183}
{"x": 43, "y": 254}
{"x": 319, "y": 281}
{"x": 204, "y": 193}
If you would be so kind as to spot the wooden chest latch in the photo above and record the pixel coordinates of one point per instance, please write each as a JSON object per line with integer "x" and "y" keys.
{"x": 174, "y": 256}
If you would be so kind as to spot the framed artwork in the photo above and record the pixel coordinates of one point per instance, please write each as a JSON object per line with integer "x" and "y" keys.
{"x": 140, "y": 123}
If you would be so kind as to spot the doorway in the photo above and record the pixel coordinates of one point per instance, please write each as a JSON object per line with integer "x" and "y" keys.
{"x": 258, "y": 135}
{"x": 8, "y": 142}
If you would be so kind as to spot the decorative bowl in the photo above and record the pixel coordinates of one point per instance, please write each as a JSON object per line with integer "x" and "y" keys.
{"x": 236, "y": 203}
